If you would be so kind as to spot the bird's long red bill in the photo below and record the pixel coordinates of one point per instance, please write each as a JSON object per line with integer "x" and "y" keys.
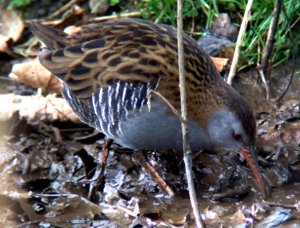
{"x": 254, "y": 168}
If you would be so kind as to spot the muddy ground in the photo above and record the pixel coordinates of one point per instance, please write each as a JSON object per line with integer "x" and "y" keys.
{"x": 46, "y": 168}
{"x": 48, "y": 159}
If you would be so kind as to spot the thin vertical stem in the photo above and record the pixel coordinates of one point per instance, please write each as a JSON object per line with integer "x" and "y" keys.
{"x": 270, "y": 38}
{"x": 186, "y": 147}
{"x": 239, "y": 42}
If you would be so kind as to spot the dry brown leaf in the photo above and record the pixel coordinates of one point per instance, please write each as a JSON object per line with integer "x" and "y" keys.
{"x": 5, "y": 44}
{"x": 13, "y": 25}
{"x": 35, "y": 75}
{"x": 220, "y": 63}
{"x": 36, "y": 108}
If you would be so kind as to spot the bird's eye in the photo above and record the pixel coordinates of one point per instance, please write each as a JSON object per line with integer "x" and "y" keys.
{"x": 237, "y": 136}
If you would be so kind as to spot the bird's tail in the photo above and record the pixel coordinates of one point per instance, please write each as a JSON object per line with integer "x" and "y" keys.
{"x": 51, "y": 37}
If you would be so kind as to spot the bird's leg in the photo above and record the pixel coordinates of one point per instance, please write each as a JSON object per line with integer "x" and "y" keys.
{"x": 98, "y": 178}
{"x": 142, "y": 160}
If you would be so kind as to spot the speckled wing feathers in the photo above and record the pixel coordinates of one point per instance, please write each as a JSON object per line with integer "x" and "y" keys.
{"x": 53, "y": 38}
{"x": 99, "y": 55}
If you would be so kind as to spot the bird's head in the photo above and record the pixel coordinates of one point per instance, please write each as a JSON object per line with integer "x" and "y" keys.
{"x": 233, "y": 127}
{"x": 227, "y": 130}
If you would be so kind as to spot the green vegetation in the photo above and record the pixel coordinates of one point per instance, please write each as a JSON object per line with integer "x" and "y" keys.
{"x": 201, "y": 12}
{"x": 17, "y": 4}
{"x": 255, "y": 38}
{"x": 114, "y": 2}
{"x": 199, "y": 15}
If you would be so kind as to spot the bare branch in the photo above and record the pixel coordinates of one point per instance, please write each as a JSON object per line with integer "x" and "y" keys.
{"x": 186, "y": 147}
{"x": 239, "y": 42}
{"x": 270, "y": 39}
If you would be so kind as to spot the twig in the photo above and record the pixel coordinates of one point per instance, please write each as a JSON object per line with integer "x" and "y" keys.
{"x": 105, "y": 18}
{"x": 294, "y": 53}
{"x": 262, "y": 69}
{"x": 270, "y": 38}
{"x": 264, "y": 81}
{"x": 143, "y": 161}
{"x": 186, "y": 147}
{"x": 239, "y": 42}
{"x": 166, "y": 101}
{"x": 62, "y": 9}
{"x": 94, "y": 20}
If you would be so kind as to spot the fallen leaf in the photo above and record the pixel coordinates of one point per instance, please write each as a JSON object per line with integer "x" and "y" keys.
{"x": 220, "y": 63}
{"x": 35, "y": 75}
{"x": 5, "y": 44}
{"x": 13, "y": 25}
{"x": 36, "y": 108}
